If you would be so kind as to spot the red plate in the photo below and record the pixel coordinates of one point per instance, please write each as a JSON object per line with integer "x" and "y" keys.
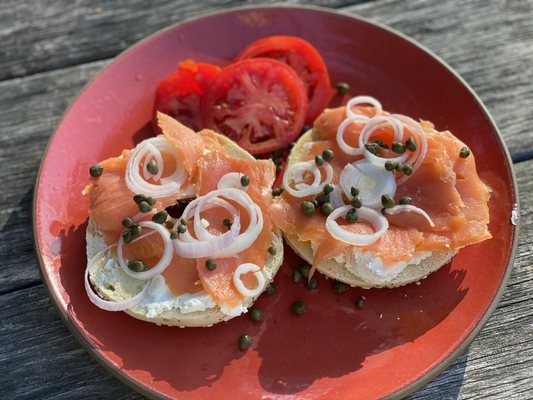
{"x": 400, "y": 340}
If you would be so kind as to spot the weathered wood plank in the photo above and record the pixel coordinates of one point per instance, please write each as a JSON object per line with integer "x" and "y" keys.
{"x": 39, "y": 36}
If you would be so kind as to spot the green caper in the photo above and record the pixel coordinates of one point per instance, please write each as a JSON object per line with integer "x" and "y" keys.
{"x": 152, "y": 167}
{"x": 354, "y": 191}
{"x": 405, "y": 200}
{"x": 356, "y": 202}
{"x": 160, "y": 217}
{"x": 271, "y": 288}
{"x": 410, "y": 144}
{"x": 138, "y": 198}
{"x": 211, "y": 265}
{"x": 322, "y": 198}
{"x": 343, "y": 87}
{"x": 398, "y": 147}
{"x": 296, "y": 276}
{"x": 387, "y": 201}
{"x": 398, "y": 166}
{"x": 407, "y": 169}
{"x": 144, "y": 207}
{"x": 351, "y": 216}
{"x": 183, "y": 221}
{"x": 170, "y": 223}
{"x": 307, "y": 207}
{"x": 136, "y": 230}
{"x": 245, "y": 180}
{"x": 327, "y": 189}
{"x": 339, "y": 287}
{"x": 389, "y": 165}
{"x": 298, "y": 307}
{"x": 279, "y": 168}
{"x": 328, "y": 155}
{"x": 272, "y": 250}
{"x": 256, "y": 314}
{"x": 319, "y": 160}
{"x": 464, "y": 152}
{"x": 277, "y": 191}
{"x": 96, "y": 170}
{"x": 182, "y": 228}
{"x": 304, "y": 270}
{"x": 173, "y": 235}
{"x": 151, "y": 200}
{"x": 127, "y": 236}
{"x": 327, "y": 208}
{"x": 360, "y": 302}
{"x": 127, "y": 223}
{"x": 245, "y": 341}
{"x": 137, "y": 265}
{"x": 373, "y": 148}
{"x": 312, "y": 283}
{"x": 226, "y": 222}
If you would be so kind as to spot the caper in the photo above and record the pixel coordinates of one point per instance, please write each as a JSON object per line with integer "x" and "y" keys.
{"x": 351, "y": 216}
{"x": 387, "y": 201}
{"x": 277, "y": 192}
{"x": 127, "y": 223}
{"x": 170, "y": 223}
{"x": 373, "y": 148}
{"x": 398, "y": 147}
{"x": 152, "y": 167}
{"x": 160, "y": 217}
{"x": 245, "y": 180}
{"x": 405, "y": 200}
{"x": 326, "y": 209}
{"x": 322, "y": 198}
{"x": 211, "y": 265}
{"x": 304, "y": 270}
{"x": 173, "y": 235}
{"x": 343, "y": 87}
{"x": 296, "y": 276}
{"x": 96, "y": 170}
{"x": 272, "y": 250}
{"x": 307, "y": 207}
{"x": 328, "y": 155}
{"x": 127, "y": 236}
{"x": 410, "y": 144}
{"x": 327, "y": 189}
{"x": 407, "y": 169}
{"x": 136, "y": 230}
{"x": 245, "y": 341}
{"x": 319, "y": 160}
{"x": 312, "y": 283}
{"x": 151, "y": 200}
{"x": 360, "y": 302}
{"x": 339, "y": 287}
{"x": 356, "y": 202}
{"x": 256, "y": 314}
{"x": 138, "y": 198}
{"x": 137, "y": 266}
{"x": 354, "y": 191}
{"x": 464, "y": 152}
{"x": 389, "y": 165}
{"x": 182, "y": 228}
{"x": 398, "y": 166}
{"x": 298, "y": 307}
{"x": 271, "y": 288}
{"x": 144, "y": 207}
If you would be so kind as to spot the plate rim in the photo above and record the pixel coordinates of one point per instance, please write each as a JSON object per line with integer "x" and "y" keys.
{"x": 398, "y": 394}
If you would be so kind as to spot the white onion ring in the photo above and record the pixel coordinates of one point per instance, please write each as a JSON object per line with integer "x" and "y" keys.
{"x": 228, "y": 243}
{"x": 378, "y": 221}
{"x": 409, "y": 208}
{"x": 232, "y": 180}
{"x": 239, "y": 285}
{"x": 151, "y": 149}
{"x": 163, "y": 262}
{"x": 362, "y": 100}
{"x": 353, "y": 151}
{"x": 107, "y": 304}
{"x": 303, "y": 189}
{"x": 371, "y": 180}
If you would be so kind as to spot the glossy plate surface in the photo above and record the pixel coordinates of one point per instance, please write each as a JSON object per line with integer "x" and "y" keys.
{"x": 400, "y": 339}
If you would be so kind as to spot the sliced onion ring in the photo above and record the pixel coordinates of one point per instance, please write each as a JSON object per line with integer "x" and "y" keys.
{"x": 147, "y": 150}
{"x": 163, "y": 262}
{"x": 107, "y": 304}
{"x": 378, "y": 221}
{"x": 358, "y": 100}
{"x": 409, "y": 208}
{"x": 239, "y": 285}
{"x": 302, "y": 189}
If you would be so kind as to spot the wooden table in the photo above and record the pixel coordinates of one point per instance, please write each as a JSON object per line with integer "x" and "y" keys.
{"x": 50, "y": 49}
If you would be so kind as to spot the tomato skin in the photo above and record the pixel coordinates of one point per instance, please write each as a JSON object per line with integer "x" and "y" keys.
{"x": 259, "y": 103}
{"x": 305, "y": 59}
{"x": 180, "y": 93}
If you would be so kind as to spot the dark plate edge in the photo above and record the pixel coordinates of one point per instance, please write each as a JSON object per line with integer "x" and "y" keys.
{"x": 401, "y": 393}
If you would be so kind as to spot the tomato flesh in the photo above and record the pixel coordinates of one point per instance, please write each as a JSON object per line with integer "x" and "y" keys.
{"x": 305, "y": 59}
{"x": 180, "y": 93}
{"x": 259, "y": 103}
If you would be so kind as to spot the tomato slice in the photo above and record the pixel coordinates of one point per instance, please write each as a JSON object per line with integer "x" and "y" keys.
{"x": 259, "y": 103}
{"x": 180, "y": 93}
{"x": 305, "y": 59}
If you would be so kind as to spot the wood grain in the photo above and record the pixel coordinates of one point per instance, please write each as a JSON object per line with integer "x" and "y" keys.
{"x": 51, "y": 48}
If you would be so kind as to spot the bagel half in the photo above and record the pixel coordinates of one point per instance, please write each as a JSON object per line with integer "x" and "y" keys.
{"x": 338, "y": 270}
{"x": 111, "y": 283}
